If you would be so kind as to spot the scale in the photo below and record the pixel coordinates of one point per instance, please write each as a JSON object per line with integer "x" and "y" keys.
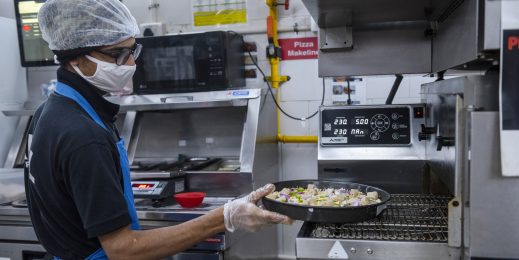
{"x": 158, "y": 181}
{"x": 158, "y": 187}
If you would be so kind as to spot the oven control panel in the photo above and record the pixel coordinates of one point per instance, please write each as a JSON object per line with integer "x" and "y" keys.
{"x": 366, "y": 125}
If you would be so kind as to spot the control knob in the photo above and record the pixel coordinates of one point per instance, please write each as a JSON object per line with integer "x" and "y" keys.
{"x": 426, "y": 132}
{"x": 444, "y": 141}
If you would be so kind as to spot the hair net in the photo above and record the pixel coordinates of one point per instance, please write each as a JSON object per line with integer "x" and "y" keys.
{"x": 73, "y": 24}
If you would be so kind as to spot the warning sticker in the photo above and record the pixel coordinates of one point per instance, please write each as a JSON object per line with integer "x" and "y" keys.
{"x": 337, "y": 251}
{"x": 219, "y": 12}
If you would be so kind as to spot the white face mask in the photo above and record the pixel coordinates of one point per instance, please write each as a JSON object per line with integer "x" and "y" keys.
{"x": 108, "y": 77}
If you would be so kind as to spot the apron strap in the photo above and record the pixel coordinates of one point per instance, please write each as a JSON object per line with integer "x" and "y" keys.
{"x": 71, "y": 93}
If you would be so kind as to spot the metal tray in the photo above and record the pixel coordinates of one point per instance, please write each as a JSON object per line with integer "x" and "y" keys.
{"x": 321, "y": 214}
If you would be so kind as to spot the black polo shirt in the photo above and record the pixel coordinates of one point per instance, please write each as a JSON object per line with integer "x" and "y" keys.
{"x": 74, "y": 183}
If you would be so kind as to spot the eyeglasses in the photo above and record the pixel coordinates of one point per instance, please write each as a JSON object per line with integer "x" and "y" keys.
{"x": 122, "y": 55}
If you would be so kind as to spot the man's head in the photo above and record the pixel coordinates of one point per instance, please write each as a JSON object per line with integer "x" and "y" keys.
{"x": 89, "y": 36}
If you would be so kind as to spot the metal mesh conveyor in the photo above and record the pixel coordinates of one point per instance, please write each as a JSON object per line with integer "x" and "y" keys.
{"x": 408, "y": 217}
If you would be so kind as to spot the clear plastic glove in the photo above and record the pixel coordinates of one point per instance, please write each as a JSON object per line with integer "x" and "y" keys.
{"x": 243, "y": 214}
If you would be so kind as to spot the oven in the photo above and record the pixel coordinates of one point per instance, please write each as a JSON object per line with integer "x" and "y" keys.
{"x": 190, "y": 62}
{"x": 437, "y": 179}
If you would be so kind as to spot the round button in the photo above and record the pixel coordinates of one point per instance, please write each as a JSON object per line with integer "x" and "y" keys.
{"x": 374, "y": 135}
{"x": 380, "y": 123}
{"x": 394, "y": 116}
{"x": 395, "y": 136}
{"x": 394, "y": 126}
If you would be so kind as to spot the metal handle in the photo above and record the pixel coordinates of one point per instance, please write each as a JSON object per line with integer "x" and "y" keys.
{"x": 183, "y": 98}
{"x": 444, "y": 141}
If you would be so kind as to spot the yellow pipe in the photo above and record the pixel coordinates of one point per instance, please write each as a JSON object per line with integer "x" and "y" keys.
{"x": 276, "y": 79}
{"x": 273, "y": 12}
{"x": 297, "y": 139}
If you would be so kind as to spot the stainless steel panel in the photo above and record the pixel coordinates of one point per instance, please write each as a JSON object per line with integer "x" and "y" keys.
{"x": 250, "y": 131}
{"x": 11, "y": 185}
{"x": 196, "y": 255}
{"x": 18, "y": 233}
{"x": 128, "y": 125}
{"x": 378, "y": 52}
{"x": 266, "y": 156}
{"x": 220, "y": 184}
{"x": 447, "y": 102}
{"x": 333, "y": 13}
{"x": 17, "y": 149}
{"x": 211, "y": 132}
{"x": 314, "y": 248}
{"x": 336, "y": 38}
{"x": 36, "y": 76}
{"x": 490, "y": 23}
{"x": 393, "y": 176}
{"x": 456, "y": 42}
{"x": 494, "y": 208}
{"x": 185, "y": 100}
{"x": 18, "y": 251}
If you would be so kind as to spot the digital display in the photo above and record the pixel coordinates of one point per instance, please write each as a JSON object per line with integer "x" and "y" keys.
{"x": 169, "y": 63}
{"x": 365, "y": 126}
{"x": 34, "y": 50}
{"x": 143, "y": 185}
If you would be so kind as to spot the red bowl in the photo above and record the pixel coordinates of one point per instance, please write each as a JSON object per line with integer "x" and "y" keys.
{"x": 189, "y": 199}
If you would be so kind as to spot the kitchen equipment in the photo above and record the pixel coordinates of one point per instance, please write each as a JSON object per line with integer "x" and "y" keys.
{"x": 189, "y": 63}
{"x": 220, "y": 132}
{"x": 158, "y": 189}
{"x": 189, "y": 199}
{"x": 415, "y": 223}
{"x": 34, "y": 51}
{"x": 160, "y": 180}
{"x": 327, "y": 214}
{"x": 386, "y": 153}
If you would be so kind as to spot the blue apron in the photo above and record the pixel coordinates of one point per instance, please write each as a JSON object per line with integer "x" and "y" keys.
{"x": 67, "y": 91}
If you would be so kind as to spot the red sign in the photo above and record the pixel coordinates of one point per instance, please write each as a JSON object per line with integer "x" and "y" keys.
{"x": 513, "y": 42}
{"x": 298, "y": 48}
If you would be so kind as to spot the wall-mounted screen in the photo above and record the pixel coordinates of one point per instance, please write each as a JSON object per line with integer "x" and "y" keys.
{"x": 34, "y": 51}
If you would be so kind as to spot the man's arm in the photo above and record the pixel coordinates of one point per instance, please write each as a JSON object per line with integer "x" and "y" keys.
{"x": 159, "y": 243}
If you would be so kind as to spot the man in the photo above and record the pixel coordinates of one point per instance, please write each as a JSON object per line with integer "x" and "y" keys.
{"x": 77, "y": 176}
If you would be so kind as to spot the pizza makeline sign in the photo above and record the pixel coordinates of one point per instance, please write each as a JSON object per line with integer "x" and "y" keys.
{"x": 298, "y": 48}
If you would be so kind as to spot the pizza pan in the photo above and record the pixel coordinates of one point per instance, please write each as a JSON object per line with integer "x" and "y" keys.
{"x": 326, "y": 214}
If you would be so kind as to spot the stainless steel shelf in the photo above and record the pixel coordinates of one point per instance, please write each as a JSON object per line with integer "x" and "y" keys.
{"x": 224, "y": 98}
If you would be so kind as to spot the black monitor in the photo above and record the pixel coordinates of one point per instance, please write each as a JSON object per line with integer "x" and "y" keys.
{"x": 34, "y": 51}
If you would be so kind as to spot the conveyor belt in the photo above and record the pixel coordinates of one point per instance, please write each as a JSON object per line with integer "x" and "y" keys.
{"x": 408, "y": 217}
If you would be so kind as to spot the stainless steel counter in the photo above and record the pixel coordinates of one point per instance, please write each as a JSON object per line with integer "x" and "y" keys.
{"x": 174, "y": 212}
{"x": 16, "y": 226}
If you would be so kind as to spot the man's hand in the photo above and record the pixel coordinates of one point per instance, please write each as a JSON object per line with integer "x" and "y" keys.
{"x": 243, "y": 214}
